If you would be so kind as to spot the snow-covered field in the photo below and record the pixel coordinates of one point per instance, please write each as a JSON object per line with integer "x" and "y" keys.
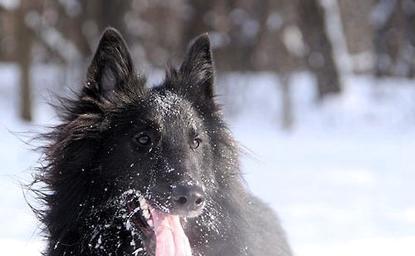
{"x": 342, "y": 180}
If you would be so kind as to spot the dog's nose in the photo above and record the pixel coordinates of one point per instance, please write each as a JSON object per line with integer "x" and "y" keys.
{"x": 188, "y": 198}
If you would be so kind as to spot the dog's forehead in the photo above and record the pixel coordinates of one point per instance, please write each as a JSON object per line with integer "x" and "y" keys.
{"x": 170, "y": 107}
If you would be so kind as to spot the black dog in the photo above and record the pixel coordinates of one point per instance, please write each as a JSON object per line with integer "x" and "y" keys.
{"x": 139, "y": 171}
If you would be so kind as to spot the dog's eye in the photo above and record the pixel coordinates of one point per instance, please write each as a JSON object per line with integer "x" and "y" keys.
{"x": 195, "y": 143}
{"x": 143, "y": 139}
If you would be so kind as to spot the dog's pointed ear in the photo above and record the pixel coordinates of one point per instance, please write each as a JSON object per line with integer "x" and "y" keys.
{"x": 197, "y": 71}
{"x": 111, "y": 67}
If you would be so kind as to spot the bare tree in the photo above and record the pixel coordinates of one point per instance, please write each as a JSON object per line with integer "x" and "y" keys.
{"x": 320, "y": 59}
{"x": 394, "y": 39}
{"x": 386, "y": 17}
{"x": 24, "y": 58}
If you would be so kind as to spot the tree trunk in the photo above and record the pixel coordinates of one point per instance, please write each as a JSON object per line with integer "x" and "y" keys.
{"x": 23, "y": 47}
{"x": 320, "y": 59}
{"x": 410, "y": 37}
{"x": 287, "y": 114}
{"x": 394, "y": 38}
{"x": 386, "y": 19}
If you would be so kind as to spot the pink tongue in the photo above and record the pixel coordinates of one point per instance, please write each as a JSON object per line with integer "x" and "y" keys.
{"x": 170, "y": 237}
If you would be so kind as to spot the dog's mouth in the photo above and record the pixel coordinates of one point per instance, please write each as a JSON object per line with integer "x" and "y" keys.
{"x": 162, "y": 228}
{"x": 139, "y": 213}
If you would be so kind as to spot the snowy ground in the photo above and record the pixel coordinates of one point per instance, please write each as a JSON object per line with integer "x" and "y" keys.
{"x": 342, "y": 181}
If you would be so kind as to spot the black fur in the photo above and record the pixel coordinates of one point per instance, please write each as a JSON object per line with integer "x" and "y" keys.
{"x": 94, "y": 164}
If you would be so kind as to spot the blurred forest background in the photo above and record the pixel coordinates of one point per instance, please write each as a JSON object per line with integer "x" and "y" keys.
{"x": 329, "y": 38}
{"x": 320, "y": 94}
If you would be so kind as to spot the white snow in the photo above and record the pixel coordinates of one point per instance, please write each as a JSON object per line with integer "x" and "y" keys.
{"x": 342, "y": 181}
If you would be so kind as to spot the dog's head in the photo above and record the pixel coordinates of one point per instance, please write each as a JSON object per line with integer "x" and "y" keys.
{"x": 156, "y": 140}
{"x": 164, "y": 150}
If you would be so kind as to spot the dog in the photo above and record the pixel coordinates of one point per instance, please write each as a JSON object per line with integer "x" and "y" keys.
{"x": 134, "y": 170}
